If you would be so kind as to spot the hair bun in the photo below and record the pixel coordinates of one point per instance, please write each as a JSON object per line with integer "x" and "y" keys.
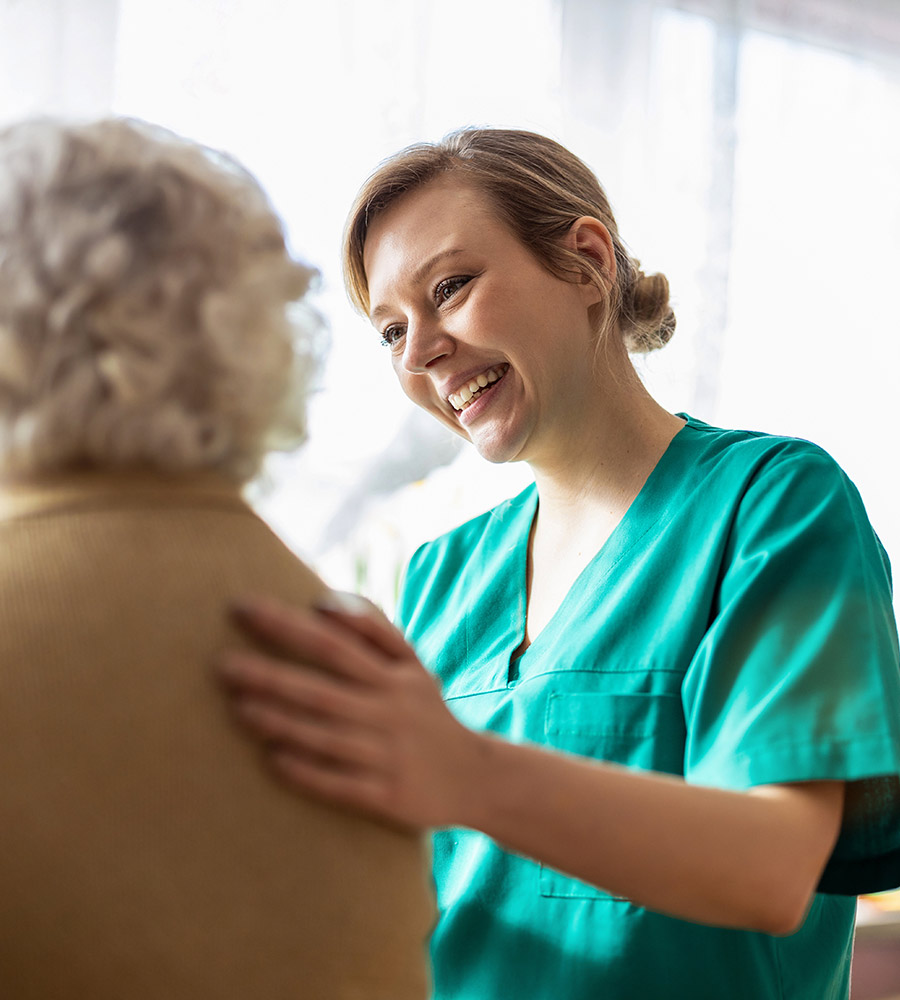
{"x": 648, "y": 320}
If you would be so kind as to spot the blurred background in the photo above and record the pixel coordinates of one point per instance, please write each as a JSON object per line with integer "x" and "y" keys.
{"x": 750, "y": 148}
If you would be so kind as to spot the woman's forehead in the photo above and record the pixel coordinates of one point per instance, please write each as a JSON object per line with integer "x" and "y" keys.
{"x": 428, "y": 226}
{"x": 443, "y": 200}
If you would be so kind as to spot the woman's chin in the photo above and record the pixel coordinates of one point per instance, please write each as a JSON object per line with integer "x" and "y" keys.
{"x": 496, "y": 449}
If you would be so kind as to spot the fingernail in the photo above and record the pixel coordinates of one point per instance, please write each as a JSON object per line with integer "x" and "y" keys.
{"x": 344, "y": 602}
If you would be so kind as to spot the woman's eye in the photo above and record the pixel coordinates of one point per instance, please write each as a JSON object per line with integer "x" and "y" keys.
{"x": 449, "y": 287}
{"x": 391, "y": 336}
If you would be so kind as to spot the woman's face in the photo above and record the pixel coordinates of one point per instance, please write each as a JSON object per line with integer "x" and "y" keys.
{"x": 481, "y": 334}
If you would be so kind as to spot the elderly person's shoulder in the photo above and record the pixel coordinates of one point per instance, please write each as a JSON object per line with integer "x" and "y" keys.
{"x": 150, "y": 357}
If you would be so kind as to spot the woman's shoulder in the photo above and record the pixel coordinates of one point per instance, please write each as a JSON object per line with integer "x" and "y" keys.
{"x": 749, "y": 444}
{"x": 776, "y": 488}
{"x": 747, "y": 457}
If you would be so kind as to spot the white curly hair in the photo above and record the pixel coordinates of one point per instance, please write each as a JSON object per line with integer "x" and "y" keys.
{"x": 145, "y": 305}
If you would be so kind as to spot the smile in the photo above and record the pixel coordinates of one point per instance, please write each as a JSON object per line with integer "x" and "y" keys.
{"x": 467, "y": 395}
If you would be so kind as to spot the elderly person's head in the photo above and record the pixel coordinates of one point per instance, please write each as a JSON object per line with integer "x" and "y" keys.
{"x": 145, "y": 291}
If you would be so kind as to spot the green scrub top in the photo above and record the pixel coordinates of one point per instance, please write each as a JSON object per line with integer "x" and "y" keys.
{"x": 736, "y": 629}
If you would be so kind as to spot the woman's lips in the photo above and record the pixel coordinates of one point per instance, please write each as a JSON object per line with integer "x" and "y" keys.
{"x": 472, "y": 390}
{"x": 478, "y": 404}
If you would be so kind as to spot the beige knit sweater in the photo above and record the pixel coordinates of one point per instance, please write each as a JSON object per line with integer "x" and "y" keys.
{"x": 144, "y": 850}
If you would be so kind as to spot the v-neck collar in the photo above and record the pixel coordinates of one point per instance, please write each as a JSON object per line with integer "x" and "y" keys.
{"x": 648, "y": 509}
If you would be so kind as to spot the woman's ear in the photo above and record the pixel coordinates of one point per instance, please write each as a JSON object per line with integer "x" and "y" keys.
{"x": 588, "y": 236}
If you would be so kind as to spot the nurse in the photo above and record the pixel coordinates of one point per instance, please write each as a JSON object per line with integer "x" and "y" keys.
{"x": 663, "y": 751}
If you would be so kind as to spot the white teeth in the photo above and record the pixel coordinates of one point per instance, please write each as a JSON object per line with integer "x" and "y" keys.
{"x": 460, "y": 400}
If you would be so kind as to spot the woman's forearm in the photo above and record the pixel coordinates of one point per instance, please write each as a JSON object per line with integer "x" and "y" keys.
{"x": 739, "y": 859}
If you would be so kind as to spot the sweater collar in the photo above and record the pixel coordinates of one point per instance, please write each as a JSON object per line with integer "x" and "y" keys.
{"x": 23, "y": 497}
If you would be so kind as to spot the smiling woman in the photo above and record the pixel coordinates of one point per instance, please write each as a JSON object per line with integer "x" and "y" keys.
{"x": 537, "y": 198}
{"x": 668, "y": 750}
{"x": 485, "y": 307}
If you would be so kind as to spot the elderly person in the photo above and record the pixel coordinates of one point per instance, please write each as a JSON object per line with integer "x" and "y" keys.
{"x": 147, "y": 363}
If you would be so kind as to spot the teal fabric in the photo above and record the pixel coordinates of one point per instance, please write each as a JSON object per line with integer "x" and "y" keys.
{"x": 736, "y": 629}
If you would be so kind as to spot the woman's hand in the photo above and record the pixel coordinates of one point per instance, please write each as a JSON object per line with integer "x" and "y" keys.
{"x": 347, "y": 713}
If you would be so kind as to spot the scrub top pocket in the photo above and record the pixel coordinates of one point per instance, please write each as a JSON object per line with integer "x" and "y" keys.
{"x": 645, "y": 731}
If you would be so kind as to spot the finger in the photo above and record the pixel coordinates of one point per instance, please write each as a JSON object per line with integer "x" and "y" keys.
{"x": 308, "y": 734}
{"x": 359, "y": 792}
{"x": 307, "y": 637}
{"x": 290, "y": 685}
{"x": 367, "y": 621}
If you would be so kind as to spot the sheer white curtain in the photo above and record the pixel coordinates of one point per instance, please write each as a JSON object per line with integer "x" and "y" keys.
{"x": 56, "y": 56}
{"x": 750, "y": 148}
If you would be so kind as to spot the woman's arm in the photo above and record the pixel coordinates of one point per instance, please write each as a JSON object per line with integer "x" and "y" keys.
{"x": 733, "y": 859}
{"x": 351, "y": 716}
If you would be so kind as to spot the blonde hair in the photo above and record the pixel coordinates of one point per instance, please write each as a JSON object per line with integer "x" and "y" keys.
{"x": 144, "y": 305}
{"x": 538, "y": 188}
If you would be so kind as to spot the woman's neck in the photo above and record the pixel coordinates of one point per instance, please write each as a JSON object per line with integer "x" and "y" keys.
{"x": 595, "y": 474}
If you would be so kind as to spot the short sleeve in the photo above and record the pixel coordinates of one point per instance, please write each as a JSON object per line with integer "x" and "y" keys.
{"x": 797, "y": 676}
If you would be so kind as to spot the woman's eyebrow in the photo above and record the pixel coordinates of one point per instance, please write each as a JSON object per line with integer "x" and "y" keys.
{"x": 420, "y": 272}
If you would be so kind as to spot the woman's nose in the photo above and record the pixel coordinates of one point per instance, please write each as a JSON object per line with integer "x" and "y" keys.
{"x": 426, "y": 343}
